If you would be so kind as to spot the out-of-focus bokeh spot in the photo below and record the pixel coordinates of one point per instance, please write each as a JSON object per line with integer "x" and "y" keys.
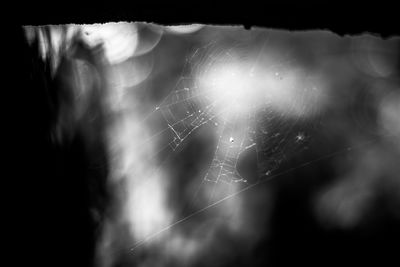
{"x": 376, "y": 57}
{"x": 119, "y": 39}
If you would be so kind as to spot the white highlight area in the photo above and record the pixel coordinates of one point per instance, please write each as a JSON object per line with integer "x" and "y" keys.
{"x": 184, "y": 29}
{"x": 145, "y": 209}
{"x": 119, "y": 39}
{"x": 142, "y": 185}
{"x": 232, "y": 86}
{"x": 238, "y": 84}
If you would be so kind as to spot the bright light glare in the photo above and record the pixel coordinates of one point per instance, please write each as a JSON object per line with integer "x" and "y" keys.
{"x": 233, "y": 87}
{"x": 236, "y": 86}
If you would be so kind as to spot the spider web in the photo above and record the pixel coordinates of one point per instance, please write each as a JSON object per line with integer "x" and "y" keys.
{"x": 185, "y": 109}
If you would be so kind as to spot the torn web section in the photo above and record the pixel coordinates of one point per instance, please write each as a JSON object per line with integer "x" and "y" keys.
{"x": 182, "y": 115}
{"x": 231, "y": 143}
{"x": 222, "y": 177}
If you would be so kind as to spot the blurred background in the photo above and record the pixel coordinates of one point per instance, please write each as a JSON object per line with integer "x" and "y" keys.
{"x": 131, "y": 131}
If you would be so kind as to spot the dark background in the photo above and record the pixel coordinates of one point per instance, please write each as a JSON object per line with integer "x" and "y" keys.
{"x": 50, "y": 200}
